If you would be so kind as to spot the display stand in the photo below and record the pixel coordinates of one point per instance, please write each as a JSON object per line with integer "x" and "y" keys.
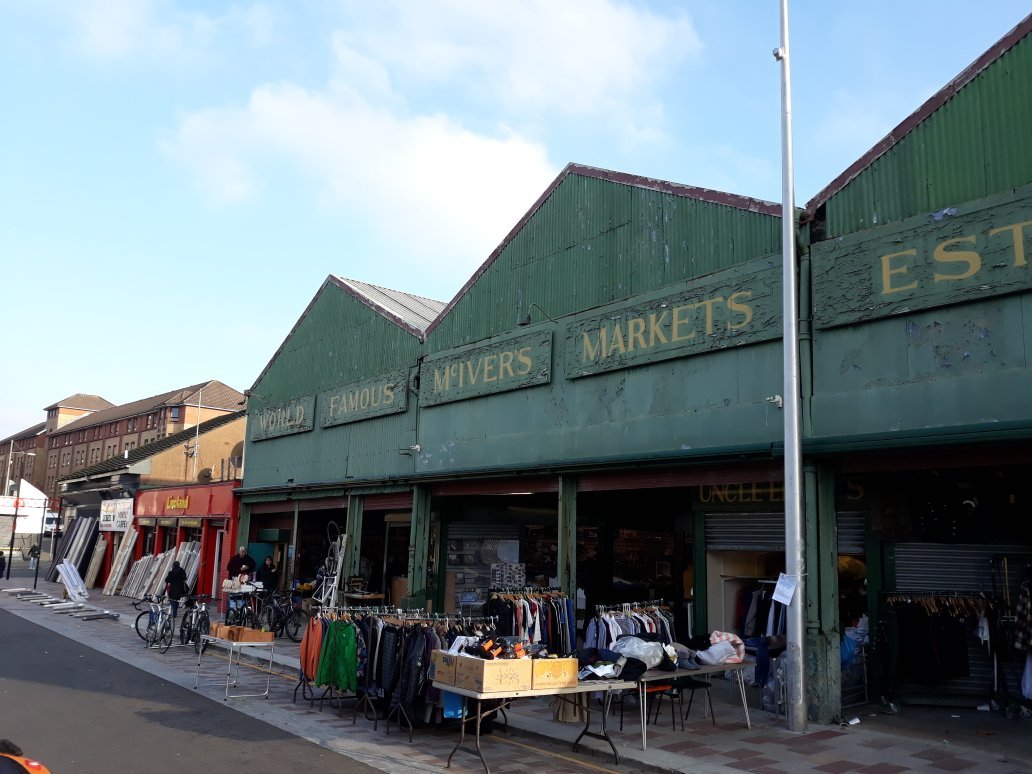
{"x": 236, "y": 650}
{"x": 659, "y": 675}
{"x": 503, "y": 699}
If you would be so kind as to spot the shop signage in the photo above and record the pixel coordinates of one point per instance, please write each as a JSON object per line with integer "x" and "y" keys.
{"x": 748, "y": 492}
{"x": 190, "y": 522}
{"x": 177, "y": 503}
{"x": 167, "y": 521}
{"x": 362, "y": 400}
{"x": 949, "y": 257}
{"x": 285, "y": 419}
{"x": 145, "y": 522}
{"x": 116, "y": 515}
{"x": 731, "y": 308}
{"x": 509, "y": 364}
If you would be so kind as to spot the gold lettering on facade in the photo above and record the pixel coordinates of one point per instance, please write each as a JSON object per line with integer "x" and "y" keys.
{"x": 282, "y": 418}
{"x": 743, "y": 492}
{"x": 493, "y": 367}
{"x": 360, "y": 399}
{"x": 888, "y": 270}
{"x": 657, "y": 329}
{"x": 943, "y": 255}
{"x": 895, "y": 270}
{"x": 175, "y": 503}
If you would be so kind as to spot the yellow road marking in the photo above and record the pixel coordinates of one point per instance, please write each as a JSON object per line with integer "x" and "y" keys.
{"x": 566, "y": 758}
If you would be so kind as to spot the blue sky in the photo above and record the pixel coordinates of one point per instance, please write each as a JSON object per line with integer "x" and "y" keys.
{"x": 177, "y": 179}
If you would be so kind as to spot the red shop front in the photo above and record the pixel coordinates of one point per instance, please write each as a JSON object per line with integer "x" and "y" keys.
{"x": 205, "y": 513}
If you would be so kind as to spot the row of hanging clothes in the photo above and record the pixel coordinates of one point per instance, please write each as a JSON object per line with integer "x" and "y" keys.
{"x": 381, "y": 656}
{"x": 539, "y": 615}
{"x": 928, "y": 633}
{"x": 610, "y": 622}
{"x": 757, "y": 613}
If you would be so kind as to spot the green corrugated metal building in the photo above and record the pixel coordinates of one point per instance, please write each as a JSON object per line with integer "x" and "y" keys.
{"x": 606, "y": 385}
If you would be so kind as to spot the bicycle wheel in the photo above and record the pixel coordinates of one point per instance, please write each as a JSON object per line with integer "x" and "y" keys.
{"x": 267, "y": 620}
{"x": 186, "y": 629}
{"x": 141, "y": 624}
{"x": 248, "y": 618}
{"x": 232, "y": 616}
{"x": 295, "y": 625}
{"x": 152, "y": 633}
{"x": 165, "y": 638}
{"x": 202, "y": 628}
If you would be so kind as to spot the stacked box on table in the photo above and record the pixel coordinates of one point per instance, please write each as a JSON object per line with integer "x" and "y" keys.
{"x": 442, "y": 667}
{"x": 493, "y": 675}
{"x": 555, "y": 672}
{"x": 245, "y": 634}
{"x": 219, "y": 630}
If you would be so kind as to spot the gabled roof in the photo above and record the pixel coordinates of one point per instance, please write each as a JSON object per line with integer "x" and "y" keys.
{"x": 677, "y": 189}
{"x": 213, "y": 394}
{"x": 409, "y": 311}
{"x": 931, "y": 105}
{"x": 29, "y": 432}
{"x": 121, "y": 462}
{"x": 82, "y": 401}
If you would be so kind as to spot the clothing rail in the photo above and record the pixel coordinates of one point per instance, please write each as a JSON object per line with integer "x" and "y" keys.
{"x": 525, "y": 590}
{"x": 629, "y": 605}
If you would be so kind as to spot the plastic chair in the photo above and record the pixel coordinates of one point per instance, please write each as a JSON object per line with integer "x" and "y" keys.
{"x": 674, "y": 691}
{"x": 659, "y": 691}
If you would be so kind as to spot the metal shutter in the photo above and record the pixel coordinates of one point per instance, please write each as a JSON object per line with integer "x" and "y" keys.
{"x": 745, "y": 531}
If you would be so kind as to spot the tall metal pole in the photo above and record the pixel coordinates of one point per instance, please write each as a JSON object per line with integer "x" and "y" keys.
{"x": 197, "y": 432}
{"x": 14, "y": 522}
{"x": 39, "y": 542}
{"x": 7, "y": 473}
{"x": 795, "y": 561}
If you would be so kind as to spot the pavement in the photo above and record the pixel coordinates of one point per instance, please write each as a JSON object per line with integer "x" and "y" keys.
{"x": 915, "y": 739}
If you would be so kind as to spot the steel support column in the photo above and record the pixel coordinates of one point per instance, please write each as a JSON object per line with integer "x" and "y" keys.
{"x": 353, "y": 528}
{"x": 568, "y": 535}
{"x": 419, "y": 547}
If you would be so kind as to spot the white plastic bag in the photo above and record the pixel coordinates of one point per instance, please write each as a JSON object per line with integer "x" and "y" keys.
{"x": 651, "y": 653}
{"x": 717, "y": 654}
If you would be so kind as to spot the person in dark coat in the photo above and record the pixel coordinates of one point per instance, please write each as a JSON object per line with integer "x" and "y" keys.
{"x": 3, "y": 563}
{"x": 175, "y": 586}
{"x": 241, "y": 563}
{"x": 268, "y": 574}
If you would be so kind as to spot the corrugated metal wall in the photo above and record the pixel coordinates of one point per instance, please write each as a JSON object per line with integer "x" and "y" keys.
{"x": 594, "y": 242}
{"x": 975, "y": 145}
{"x": 338, "y": 341}
{"x": 766, "y": 531}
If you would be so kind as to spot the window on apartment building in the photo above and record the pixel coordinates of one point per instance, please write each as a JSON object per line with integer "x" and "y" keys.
{"x": 130, "y": 425}
{"x": 173, "y": 414}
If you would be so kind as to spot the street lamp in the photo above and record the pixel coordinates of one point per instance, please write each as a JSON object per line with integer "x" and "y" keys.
{"x": 17, "y": 504}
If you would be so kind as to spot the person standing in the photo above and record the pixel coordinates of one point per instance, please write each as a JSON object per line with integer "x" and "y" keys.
{"x": 33, "y": 556}
{"x": 268, "y": 574}
{"x": 3, "y": 563}
{"x": 175, "y": 586}
{"x": 242, "y": 563}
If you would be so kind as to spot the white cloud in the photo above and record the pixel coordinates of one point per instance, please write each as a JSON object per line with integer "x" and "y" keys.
{"x": 574, "y": 57}
{"x": 432, "y": 188}
{"x": 126, "y": 29}
{"x": 429, "y": 128}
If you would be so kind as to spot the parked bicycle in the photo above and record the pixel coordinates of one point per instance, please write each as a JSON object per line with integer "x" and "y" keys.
{"x": 244, "y": 608}
{"x": 195, "y": 623}
{"x": 159, "y": 625}
{"x": 282, "y": 614}
{"x": 143, "y": 618}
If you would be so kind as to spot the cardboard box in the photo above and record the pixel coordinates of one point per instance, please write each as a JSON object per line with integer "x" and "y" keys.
{"x": 493, "y": 676}
{"x": 442, "y": 667}
{"x": 253, "y": 635}
{"x": 555, "y": 672}
{"x": 219, "y": 630}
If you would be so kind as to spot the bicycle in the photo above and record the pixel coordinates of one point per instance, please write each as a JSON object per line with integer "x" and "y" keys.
{"x": 143, "y": 618}
{"x": 281, "y": 614}
{"x": 243, "y": 609}
{"x": 159, "y": 625}
{"x": 195, "y": 623}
